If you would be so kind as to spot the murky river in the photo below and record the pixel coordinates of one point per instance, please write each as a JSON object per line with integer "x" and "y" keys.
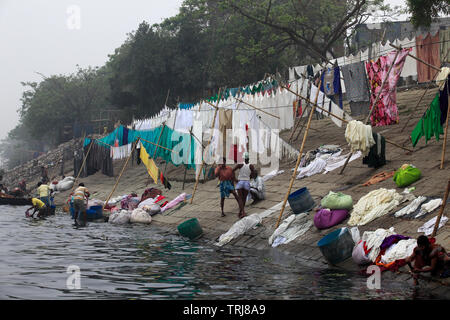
{"x": 144, "y": 262}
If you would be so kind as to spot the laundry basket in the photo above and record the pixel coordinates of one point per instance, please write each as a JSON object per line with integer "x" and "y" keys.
{"x": 190, "y": 229}
{"x": 301, "y": 201}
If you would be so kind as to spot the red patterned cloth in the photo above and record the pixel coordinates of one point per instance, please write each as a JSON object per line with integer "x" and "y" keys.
{"x": 385, "y": 112}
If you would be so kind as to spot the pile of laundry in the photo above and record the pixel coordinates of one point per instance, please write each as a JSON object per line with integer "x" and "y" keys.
{"x": 134, "y": 209}
{"x": 335, "y": 207}
{"x": 384, "y": 248}
{"x": 323, "y": 159}
{"x": 373, "y": 205}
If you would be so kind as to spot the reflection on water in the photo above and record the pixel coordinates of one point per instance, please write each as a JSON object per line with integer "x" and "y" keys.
{"x": 144, "y": 262}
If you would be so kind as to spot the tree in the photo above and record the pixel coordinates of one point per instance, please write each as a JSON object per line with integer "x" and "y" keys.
{"x": 424, "y": 11}
{"x": 320, "y": 27}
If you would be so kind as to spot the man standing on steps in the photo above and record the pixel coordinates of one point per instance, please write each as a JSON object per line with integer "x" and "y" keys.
{"x": 226, "y": 178}
{"x": 243, "y": 186}
{"x": 80, "y": 197}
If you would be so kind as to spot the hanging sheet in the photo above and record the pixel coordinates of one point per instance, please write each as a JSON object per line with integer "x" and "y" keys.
{"x": 385, "y": 112}
{"x": 428, "y": 50}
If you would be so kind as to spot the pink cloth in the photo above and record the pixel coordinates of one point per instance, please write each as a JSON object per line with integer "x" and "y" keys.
{"x": 385, "y": 112}
{"x": 174, "y": 202}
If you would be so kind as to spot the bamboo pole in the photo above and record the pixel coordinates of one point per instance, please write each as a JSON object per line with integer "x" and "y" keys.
{"x": 446, "y": 128}
{"x": 306, "y": 109}
{"x": 121, "y": 173}
{"x": 428, "y": 87}
{"x": 159, "y": 138}
{"x": 189, "y": 156}
{"x": 159, "y": 146}
{"x": 82, "y": 166}
{"x": 210, "y": 139}
{"x": 156, "y": 149}
{"x": 295, "y": 113}
{"x": 299, "y": 156}
{"x": 258, "y": 108}
{"x": 346, "y": 121}
{"x": 418, "y": 59}
{"x": 444, "y": 202}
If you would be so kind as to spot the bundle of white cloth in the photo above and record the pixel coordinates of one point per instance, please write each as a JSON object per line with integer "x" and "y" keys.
{"x": 373, "y": 205}
{"x": 359, "y": 137}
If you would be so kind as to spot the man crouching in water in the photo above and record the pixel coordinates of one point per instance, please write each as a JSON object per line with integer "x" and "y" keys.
{"x": 80, "y": 196}
{"x": 38, "y": 207}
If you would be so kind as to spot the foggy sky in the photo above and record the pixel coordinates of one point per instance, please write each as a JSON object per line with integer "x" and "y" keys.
{"x": 35, "y": 37}
{"x": 40, "y": 36}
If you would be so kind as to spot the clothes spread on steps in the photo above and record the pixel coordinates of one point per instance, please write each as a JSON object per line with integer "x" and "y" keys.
{"x": 428, "y": 227}
{"x": 429, "y": 207}
{"x": 374, "y": 205}
{"x": 291, "y": 228}
{"x": 410, "y": 208}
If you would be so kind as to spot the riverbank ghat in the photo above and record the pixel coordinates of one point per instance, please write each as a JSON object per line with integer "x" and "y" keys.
{"x": 381, "y": 177}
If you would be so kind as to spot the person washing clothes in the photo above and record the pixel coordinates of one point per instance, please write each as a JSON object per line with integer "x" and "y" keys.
{"x": 80, "y": 198}
{"x": 243, "y": 185}
{"x": 227, "y": 178}
{"x": 428, "y": 257}
{"x": 38, "y": 207}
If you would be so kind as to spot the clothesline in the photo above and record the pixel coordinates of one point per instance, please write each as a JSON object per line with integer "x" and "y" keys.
{"x": 381, "y": 53}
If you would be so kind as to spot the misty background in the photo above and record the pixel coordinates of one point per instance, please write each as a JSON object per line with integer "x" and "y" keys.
{"x": 36, "y": 37}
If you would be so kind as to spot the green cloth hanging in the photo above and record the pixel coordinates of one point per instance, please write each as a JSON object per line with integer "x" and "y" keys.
{"x": 430, "y": 124}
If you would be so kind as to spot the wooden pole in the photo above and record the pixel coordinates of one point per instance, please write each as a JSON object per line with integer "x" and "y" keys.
{"x": 156, "y": 149}
{"x": 159, "y": 138}
{"x": 428, "y": 87}
{"x": 159, "y": 146}
{"x": 189, "y": 156}
{"x": 446, "y": 128}
{"x": 257, "y": 108}
{"x": 82, "y": 166}
{"x": 346, "y": 121}
{"x": 299, "y": 156}
{"x": 203, "y": 162}
{"x": 444, "y": 202}
{"x": 418, "y": 59}
{"x": 296, "y": 123}
{"x": 121, "y": 173}
{"x": 305, "y": 109}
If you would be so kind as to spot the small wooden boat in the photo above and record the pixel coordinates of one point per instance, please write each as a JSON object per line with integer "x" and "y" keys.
{"x": 13, "y": 201}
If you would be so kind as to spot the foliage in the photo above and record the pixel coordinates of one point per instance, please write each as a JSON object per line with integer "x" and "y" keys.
{"x": 424, "y": 11}
{"x": 320, "y": 27}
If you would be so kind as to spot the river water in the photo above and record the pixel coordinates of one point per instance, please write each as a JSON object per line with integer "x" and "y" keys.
{"x": 145, "y": 262}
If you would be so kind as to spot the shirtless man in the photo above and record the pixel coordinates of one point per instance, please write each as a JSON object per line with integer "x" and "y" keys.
{"x": 427, "y": 257}
{"x": 227, "y": 179}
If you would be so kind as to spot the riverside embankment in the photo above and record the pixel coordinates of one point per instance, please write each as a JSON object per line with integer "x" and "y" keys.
{"x": 205, "y": 206}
